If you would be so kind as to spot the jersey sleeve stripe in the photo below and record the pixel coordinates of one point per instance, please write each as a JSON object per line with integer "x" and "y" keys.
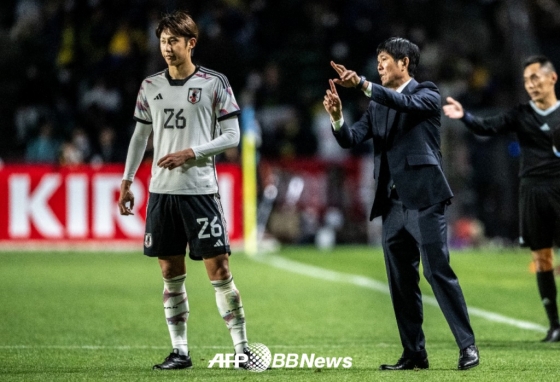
{"x": 223, "y": 79}
{"x": 217, "y": 74}
{"x": 230, "y": 115}
{"x": 156, "y": 74}
{"x": 141, "y": 121}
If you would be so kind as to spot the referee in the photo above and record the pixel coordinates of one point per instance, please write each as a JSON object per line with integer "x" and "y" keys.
{"x": 537, "y": 126}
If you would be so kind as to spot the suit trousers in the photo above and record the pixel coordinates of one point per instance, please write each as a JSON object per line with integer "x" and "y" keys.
{"x": 408, "y": 236}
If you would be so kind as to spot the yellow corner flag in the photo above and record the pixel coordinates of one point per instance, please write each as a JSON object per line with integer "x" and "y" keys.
{"x": 249, "y": 169}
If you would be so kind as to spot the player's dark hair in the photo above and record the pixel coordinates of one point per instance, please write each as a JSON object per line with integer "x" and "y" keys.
{"x": 539, "y": 59}
{"x": 399, "y": 48}
{"x": 179, "y": 23}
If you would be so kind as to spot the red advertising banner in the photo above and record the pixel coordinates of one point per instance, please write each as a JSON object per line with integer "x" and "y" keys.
{"x": 51, "y": 205}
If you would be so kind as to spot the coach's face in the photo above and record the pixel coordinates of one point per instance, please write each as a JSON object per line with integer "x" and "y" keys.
{"x": 539, "y": 81}
{"x": 393, "y": 73}
{"x": 176, "y": 50}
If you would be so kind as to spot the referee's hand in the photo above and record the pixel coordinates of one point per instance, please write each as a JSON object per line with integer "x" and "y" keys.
{"x": 453, "y": 109}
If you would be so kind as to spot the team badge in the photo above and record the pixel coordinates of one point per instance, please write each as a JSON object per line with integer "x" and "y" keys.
{"x": 148, "y": 240}
{"x": 194, "y": 95}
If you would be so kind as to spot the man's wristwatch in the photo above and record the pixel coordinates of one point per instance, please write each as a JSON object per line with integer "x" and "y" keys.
{"x": 361, "y": 83}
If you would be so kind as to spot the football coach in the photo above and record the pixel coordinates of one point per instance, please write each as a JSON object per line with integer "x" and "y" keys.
{"x": 411, "y": 194}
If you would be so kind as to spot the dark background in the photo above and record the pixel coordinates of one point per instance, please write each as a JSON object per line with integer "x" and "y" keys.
{"x": 70, "y": 72}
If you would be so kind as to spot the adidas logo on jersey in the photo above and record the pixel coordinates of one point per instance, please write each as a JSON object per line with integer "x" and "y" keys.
{"x": 158, "y": 96}
{"x": 218, "y": 243}
{"x": 545, "y": 127}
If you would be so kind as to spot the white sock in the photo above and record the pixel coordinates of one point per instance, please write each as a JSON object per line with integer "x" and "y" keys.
{"x": 176, "y": 307}
{"x": 231, "y": 309}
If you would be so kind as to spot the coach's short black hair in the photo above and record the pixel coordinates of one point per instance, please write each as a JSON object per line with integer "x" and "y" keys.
{"x": 539, "y": 59}
{"x": 400, "y": 48}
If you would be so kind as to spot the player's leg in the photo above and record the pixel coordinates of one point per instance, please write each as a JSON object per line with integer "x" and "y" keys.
{"x": 228, "y": 299}
{"x": 210, "y": 242}
{"x": 166, "y": 236}
{"x": 544, "y": 266}
{"x": 175, "y": 301}
{"x": 537, "y": 220}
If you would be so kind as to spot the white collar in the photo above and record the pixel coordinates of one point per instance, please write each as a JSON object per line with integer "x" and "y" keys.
{"x": 401, "y": 88}
{"x": 544, "y": 112}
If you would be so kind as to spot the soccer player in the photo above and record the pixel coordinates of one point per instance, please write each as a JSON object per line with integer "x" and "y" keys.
{"x": 534, "y": 123}
{"x": 192, "y": 113}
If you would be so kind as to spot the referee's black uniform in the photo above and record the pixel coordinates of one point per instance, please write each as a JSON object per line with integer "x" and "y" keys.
{"x": 538, "y": 133}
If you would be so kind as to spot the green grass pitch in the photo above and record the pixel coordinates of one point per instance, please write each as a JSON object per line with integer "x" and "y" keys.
{"x": 89, "y": 316}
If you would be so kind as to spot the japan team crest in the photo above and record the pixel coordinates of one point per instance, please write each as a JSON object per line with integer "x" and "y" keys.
{"x": 194, "y": 95}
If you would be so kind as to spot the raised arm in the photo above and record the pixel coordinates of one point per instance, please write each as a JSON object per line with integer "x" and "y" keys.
{"x": 494, "y": 125}
{"x": 426, "y": 98}
{"x": 346, "y": 136}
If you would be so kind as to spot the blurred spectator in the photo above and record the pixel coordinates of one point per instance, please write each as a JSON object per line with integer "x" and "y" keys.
{"x": 26, "y": 121}
{"x": 154, "y": 62}
{"x": 107, "y": 150}
{"x": 94, "y": 41}
{"x": 28, "y": 19}
{"x": 70, "y": 155}
{"x": 81, "y": 143}
{"x": 126, "y": 47}
{"x": 68, "y": 44}
{"x": 103, "y": 96}
{"x": 44, "y": 148}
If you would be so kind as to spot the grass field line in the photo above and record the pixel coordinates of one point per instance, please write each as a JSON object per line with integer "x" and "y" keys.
{"x": 379, "y": 286}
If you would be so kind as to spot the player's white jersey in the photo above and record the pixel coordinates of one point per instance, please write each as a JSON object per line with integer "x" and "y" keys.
{"x": 184, "y": 114}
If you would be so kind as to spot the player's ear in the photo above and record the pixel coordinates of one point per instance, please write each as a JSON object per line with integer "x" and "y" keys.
{"x": 191, "y": 42}
{"x": 554, "y": 77}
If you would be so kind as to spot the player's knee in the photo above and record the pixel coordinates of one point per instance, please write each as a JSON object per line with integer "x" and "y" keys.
{"x": 172, "y": 266}
{"x": 221, "y": 273}
{"x": 218, "y": 267}
{"x": 169, "y": 273}
{"x": 543, "y": 265}
{"x": 544, "y": 260}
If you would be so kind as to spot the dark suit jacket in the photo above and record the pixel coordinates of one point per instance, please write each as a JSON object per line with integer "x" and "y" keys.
{"x": 405, "y": 127}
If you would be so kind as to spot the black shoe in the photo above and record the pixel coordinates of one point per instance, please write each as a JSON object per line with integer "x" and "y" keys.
{"x": 175, "y": 361}
{"x": 468, "y": 357}
{"x": 407, "y": 364}
{"x": 255, "y": 362}
{"x": 553, "y": 335}
{"x": 246, "y": 365}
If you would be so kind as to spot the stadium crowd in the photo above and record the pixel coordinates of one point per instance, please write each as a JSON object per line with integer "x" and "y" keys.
{"x": 70, "y": 72}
